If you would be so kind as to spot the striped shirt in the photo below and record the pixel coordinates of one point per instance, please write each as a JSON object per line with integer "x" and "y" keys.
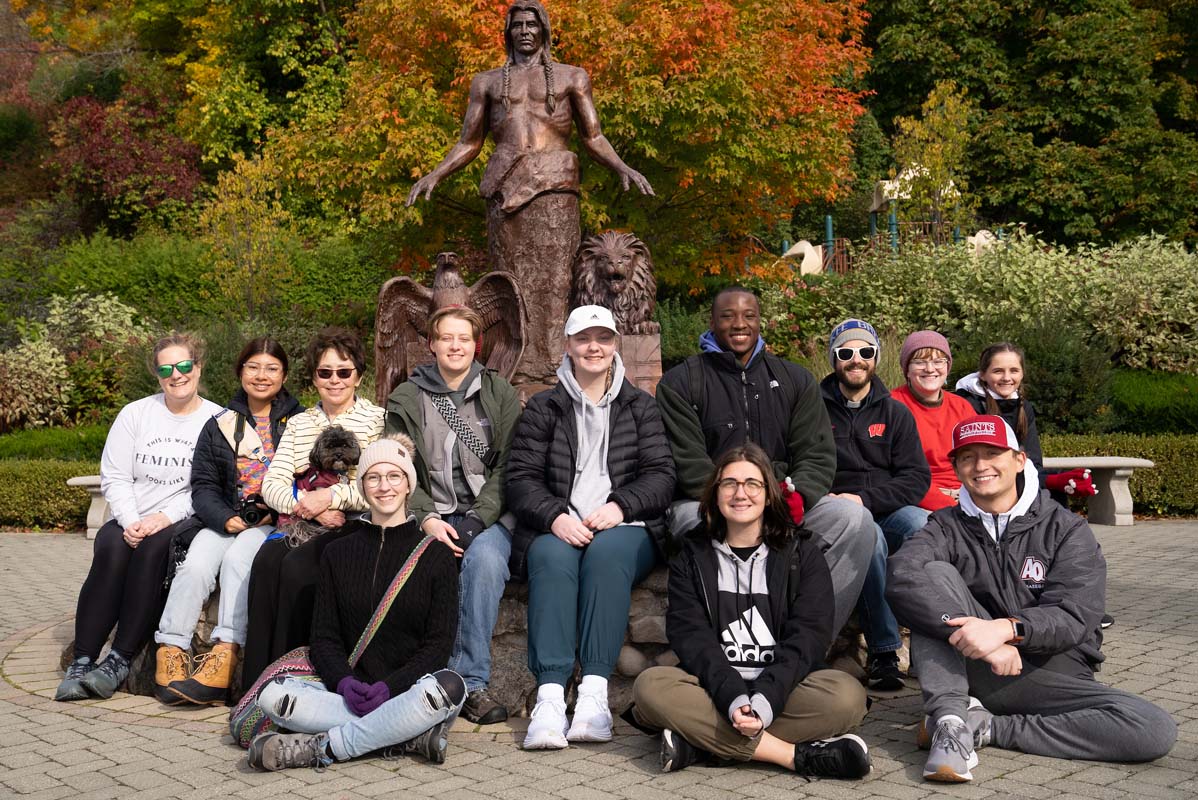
{"x": 363, "y": 419}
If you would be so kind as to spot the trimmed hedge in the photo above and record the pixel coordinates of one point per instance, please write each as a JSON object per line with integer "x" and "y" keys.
{"x": 1156, "y": 402}
{"x": 34, "y": 494}
{"x": 1169, "y": 488}
{"x": 83, "y": 443}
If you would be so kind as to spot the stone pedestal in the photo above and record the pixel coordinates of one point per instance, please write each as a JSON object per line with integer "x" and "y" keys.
{"x": 642, "y": 360}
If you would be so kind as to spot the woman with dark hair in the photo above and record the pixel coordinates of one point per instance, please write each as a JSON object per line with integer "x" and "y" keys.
{"x": 283, "y": 578}
{"x": 589, "y": 477}
{"x": 750, "y": 618}
{"x": 145, "y": 475}
{"x": 231, "y": 457}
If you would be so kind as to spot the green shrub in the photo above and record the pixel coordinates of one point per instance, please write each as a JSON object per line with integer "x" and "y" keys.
{"x": 34, "y": 386}
{"x": 1141, "y": 297}
{"x": 84, "y": 443}
{"x": 1169, "y": 488}
{"x": 681, "y": 327}
{"x": 1155, "y": 402}
{"x": 34, "y": 494}
{"x": 17, "y": 128}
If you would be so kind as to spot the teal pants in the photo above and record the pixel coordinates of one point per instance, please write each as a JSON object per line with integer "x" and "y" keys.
{"x": 578, "y": 600}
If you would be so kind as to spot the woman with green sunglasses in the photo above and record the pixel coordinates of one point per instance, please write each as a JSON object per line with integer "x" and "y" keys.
{"x": 145, "y": 475}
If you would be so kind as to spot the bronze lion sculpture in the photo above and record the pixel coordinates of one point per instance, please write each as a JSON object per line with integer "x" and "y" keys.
{"x": 614, "y": 270}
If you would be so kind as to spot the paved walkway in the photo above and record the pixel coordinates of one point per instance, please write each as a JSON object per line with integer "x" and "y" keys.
{"x": 131, "y": 747}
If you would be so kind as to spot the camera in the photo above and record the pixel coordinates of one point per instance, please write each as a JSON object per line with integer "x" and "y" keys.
{"x": 251, "y": 510}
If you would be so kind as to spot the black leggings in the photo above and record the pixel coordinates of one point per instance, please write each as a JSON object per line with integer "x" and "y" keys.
{"x": 123, "y": 589}
{"x": 282, "y": 596}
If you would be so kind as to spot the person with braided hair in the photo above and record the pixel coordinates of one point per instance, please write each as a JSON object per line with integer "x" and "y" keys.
{"x": 531, "y": 183}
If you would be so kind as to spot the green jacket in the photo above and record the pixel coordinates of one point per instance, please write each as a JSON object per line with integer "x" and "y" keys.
{"x": 500, "y": 406}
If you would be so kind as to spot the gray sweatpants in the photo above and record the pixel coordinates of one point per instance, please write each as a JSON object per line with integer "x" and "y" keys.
{"x": 1056, "y": 710}
{"x": 844, "y": 531}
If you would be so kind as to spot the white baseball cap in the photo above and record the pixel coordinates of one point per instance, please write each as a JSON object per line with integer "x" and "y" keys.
{"x": 585, "y": 317}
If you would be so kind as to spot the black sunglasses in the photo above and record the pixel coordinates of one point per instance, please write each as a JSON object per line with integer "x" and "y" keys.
{"x": 847, "y": 353}
{"x": 344, "y": 373}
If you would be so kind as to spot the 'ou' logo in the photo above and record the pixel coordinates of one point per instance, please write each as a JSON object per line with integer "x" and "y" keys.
{"x": 1033, "y": 570}
{"x": 877, "y": 429}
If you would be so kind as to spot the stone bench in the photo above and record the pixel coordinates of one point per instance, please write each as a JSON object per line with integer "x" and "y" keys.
{"x": 97, "y": 511}
{"x": 1112, "y": 505}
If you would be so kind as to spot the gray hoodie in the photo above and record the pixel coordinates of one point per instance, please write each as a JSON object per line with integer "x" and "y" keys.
{"x": 592, "y": 483}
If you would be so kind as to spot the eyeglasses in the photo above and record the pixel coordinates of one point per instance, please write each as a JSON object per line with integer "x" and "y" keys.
{"x": 344, "y": 373}
{"x": 924, "y": 363}
{"x": 166, "y": 370}
{"x": 374, "y": 480}
{"x": 269, "y": 370}
{"x": 847, "y": 353}
{"x": 752, "y": 486}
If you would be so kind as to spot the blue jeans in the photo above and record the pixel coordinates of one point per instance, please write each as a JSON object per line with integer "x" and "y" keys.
{"x": 878, "y": 624}
{"x": 480, "y": 588}
{"x": 317, "y": 710}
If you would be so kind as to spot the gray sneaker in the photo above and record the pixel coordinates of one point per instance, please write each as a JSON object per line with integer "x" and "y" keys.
{"x": 977, "y": 718}
{"x": 432, "y": 744}
{"x": 952, "y": 755}
{"x": 274, "y": 751}
{"x": 107, "y": 677}
{"x": 71, "y": 688}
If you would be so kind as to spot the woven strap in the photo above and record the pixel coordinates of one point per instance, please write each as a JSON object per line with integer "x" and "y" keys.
{"x": 459, "y": 427}
{"x": 389, "y": 596}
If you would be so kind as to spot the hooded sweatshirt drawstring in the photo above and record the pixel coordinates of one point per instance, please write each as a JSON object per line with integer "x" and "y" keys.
{"x": 592, "y": 481}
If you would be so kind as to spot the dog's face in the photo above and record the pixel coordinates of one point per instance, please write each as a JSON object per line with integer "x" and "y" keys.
{"x": 335, "y": 450}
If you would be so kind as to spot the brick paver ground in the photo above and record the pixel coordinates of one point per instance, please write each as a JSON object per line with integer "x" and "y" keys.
{"x": 131, "y": 747}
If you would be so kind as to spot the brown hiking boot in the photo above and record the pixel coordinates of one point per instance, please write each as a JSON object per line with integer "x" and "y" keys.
{"x": 209, "y": 684}
{"x": 172, "y": 664}
{"x": 482, "y": 709}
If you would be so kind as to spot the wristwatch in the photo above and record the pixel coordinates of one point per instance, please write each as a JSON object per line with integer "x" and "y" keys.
{"x": 1020, "y": 631}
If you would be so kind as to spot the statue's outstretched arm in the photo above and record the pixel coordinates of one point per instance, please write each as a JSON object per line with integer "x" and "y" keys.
{"x": 474, "y": 133}
{"x": 587, "y": 119}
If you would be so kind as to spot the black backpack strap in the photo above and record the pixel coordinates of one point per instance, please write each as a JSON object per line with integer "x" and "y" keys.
{"x": 694, "y": 376}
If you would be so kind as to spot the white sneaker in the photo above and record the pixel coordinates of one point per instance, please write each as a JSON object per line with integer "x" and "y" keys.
{"x": 592, "y": 719}
{"x": 547, "y": 726}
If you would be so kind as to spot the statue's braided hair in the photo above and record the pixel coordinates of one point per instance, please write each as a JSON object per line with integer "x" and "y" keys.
{"x": 546, "y": 56}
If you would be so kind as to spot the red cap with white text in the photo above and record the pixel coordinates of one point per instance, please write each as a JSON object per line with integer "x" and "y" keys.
{"x": 983, "y": 429}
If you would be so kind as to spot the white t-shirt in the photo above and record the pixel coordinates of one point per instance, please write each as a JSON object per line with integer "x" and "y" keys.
{"x": 146, "y": 465}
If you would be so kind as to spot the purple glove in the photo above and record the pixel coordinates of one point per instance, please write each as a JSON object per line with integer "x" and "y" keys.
{"x": 353, "y": 690}
{"x": 377, "y": 693}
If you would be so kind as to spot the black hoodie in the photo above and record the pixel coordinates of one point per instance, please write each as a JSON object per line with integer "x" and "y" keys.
{"x": 879, "y": 456}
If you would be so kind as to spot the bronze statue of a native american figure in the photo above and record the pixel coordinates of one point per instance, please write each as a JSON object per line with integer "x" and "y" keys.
{"x": 531, "y": 182}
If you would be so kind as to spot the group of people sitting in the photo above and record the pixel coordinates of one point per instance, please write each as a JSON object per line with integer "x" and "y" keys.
{"x": 383, "y": 538}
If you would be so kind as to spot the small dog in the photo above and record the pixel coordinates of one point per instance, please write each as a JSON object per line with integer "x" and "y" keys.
{"x": 333, "y": 454}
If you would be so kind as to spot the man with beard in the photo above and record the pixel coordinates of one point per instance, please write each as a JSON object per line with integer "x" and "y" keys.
{"x": 734, "y": 392}
{"x": 879, "y": 465}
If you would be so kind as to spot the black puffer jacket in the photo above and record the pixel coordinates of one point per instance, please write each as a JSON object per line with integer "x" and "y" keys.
{"x": 540, "y": 471}
{"x": 213, "y": 467}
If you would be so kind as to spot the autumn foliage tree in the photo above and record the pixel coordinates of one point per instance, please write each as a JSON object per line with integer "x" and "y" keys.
{"x": 734, "y": 111}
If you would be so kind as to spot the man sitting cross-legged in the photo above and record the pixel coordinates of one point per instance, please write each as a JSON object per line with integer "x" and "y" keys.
{"x": 1003, "y": 595}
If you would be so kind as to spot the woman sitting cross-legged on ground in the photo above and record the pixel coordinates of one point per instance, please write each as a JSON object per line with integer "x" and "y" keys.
{"x": 231, "y": 457}
{"x": 399, "y": 692}
{"x": 589, "y": 477}
{"x": 145, "y": 475}
{"x": 750, "y": 619}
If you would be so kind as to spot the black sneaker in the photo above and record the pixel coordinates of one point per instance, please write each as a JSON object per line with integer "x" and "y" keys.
{"x": 1106, "y": 622}
{"x": 883, "y": 673}
{"x": 677, "y": 753}
{"x": 839, "y": 757}
{"x": 483, "y": 709}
